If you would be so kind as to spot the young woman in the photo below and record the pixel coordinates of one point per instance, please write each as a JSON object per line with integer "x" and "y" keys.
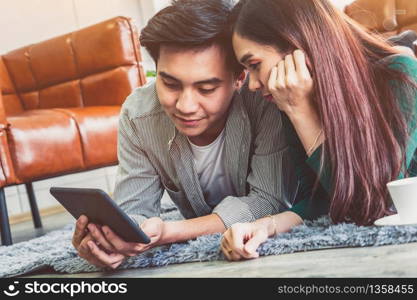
{"x": 348, "y": 101}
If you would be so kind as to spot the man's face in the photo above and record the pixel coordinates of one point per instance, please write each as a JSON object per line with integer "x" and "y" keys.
{"x": 195, "y": 89}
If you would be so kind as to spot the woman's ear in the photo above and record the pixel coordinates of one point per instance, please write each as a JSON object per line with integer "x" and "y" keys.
{"x": 240, "y": 79}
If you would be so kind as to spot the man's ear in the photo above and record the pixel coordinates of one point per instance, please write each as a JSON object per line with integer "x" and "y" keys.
{"x": 241, "y": 79}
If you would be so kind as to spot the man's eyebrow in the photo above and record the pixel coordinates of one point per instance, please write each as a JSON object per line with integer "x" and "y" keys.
{"x": 167, "y": 76}
{"x": 213, "y": 80}
{"x": 245, "y": 58}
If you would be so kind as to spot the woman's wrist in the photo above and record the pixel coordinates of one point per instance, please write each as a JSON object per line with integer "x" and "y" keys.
{"x": 303, "y": 114}
{"x": 268, "y": 224}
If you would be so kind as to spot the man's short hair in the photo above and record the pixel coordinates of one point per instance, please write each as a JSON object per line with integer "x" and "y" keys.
{"x": 191, "y": 24}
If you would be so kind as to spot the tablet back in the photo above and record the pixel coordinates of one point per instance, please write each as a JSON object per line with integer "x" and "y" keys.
{"x": 100, "y": 209}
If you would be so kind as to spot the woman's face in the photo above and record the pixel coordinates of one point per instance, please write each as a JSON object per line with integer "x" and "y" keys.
{"x": 258, "y": 60}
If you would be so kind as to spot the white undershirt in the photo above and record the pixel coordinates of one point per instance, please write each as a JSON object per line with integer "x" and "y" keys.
{"x": 210, "y": 166}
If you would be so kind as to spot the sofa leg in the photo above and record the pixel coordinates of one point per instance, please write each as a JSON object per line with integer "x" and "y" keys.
{"x": 33, "y": 205}
{"x": 6, "y": 236}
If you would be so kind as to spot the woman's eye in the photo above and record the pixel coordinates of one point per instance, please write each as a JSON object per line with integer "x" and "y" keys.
{"x": 254, "y": 66}
{"x": 207, "y": 91}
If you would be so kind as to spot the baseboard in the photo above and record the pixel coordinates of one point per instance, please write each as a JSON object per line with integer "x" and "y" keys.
{"x": 27, "y": 216}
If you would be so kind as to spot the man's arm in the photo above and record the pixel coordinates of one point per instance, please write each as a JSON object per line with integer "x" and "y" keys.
{"x": 138, "y": 190}
{"x": 183, "y": 230}
{"x": 272, "y": 181}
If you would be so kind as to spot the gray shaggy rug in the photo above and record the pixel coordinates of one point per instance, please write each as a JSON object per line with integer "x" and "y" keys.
{"x": 55, "y": 249}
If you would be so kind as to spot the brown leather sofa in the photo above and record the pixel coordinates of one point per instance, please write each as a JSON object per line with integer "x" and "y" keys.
{"x": 59, "y": 105}
{"x": 388, "y": 17}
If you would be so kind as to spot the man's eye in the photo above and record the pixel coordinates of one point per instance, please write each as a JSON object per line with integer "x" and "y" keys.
{"x": 207, "y": 91}
{"x": 254, "y": 66}
{"x": 173, "y": 86}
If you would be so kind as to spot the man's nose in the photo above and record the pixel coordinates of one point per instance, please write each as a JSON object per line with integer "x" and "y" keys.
{"x": 187, "y": 103}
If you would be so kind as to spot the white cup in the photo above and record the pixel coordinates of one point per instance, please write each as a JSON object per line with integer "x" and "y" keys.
{"x": 404, "y": 195}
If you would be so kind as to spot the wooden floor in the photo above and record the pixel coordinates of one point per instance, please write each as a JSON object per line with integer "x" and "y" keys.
{"x": 386, "y": 261}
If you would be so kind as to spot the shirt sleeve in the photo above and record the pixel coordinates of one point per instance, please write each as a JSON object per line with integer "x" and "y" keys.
{"x": 138, "y": 190}
{"x": 270, "y": 176}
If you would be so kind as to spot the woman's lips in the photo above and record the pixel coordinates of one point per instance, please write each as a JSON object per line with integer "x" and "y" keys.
{"x": 269, "y": 98}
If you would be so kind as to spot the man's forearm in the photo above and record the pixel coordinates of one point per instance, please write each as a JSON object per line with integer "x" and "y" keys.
{"x": 179, "y": 231}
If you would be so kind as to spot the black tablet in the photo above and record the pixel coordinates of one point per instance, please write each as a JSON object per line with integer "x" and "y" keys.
{"x": 100, "y": 209}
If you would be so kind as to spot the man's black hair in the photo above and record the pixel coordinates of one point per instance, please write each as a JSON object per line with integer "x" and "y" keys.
{"x": 191, "y": 24}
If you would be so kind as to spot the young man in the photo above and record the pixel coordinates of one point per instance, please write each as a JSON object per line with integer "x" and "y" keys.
{"x": 217, "y": 149}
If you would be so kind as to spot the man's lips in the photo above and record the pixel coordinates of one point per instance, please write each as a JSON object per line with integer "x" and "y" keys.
{"x": 188, "y": 122}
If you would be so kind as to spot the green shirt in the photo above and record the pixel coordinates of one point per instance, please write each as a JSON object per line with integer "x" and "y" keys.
{"x": 307, "y": 168}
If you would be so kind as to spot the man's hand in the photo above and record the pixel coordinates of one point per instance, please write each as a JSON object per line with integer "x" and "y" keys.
{"x": 153, "y": 227}
{"x": 101, "y": 247}
{"x": 88, "y": 249}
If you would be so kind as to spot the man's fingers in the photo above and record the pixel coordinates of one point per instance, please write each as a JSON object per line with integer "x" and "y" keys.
{"x": 115, "y": 265}
{"x": 119, "y": 244}
{"x": 80, "y": 230}
{"x": 103, "y": 257}
{"x": 98, "y": 236}
{"x": 83, "y": 249}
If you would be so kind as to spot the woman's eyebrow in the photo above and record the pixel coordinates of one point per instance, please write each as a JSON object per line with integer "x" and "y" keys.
{"x": 245, "y": 58}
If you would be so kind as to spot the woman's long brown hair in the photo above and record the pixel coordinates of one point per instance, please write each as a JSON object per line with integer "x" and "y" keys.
{"x": 366, "y": 130}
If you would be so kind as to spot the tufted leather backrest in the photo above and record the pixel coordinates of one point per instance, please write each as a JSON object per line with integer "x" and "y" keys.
{"x": 374, "y": 14}
{"x": 392, "y": 16}
{"x": 97, "y": 65}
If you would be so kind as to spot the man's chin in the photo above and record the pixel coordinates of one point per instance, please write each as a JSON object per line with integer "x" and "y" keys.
{"x": 190, "y": 132}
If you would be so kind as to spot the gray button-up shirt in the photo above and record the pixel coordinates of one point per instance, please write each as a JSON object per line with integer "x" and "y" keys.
{"x": 154, "y": 156}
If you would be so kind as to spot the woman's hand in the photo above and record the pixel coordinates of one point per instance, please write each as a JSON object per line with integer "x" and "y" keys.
{"x": 242, "y": 239}
{"x": 291, "y": 85}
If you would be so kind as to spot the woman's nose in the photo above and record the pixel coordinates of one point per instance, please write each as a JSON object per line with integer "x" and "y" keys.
{"x": 254, "y": 83}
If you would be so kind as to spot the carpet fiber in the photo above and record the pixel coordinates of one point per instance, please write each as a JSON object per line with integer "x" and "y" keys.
{"x": 55, "y": 249}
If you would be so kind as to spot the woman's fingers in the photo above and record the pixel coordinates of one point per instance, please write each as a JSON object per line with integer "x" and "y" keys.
{"x": 273, "y": 79}
{"x": 280, "y": 81}
{"x": 224, "y": 245}
{"x": 228, "y": 248}
{"x": 290, "y": 74}
{"x": 300, "y": 62}
{"x": 252, "y": 245}
{"x": 301, "y": 66}
{"x": 237, "y": 236}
